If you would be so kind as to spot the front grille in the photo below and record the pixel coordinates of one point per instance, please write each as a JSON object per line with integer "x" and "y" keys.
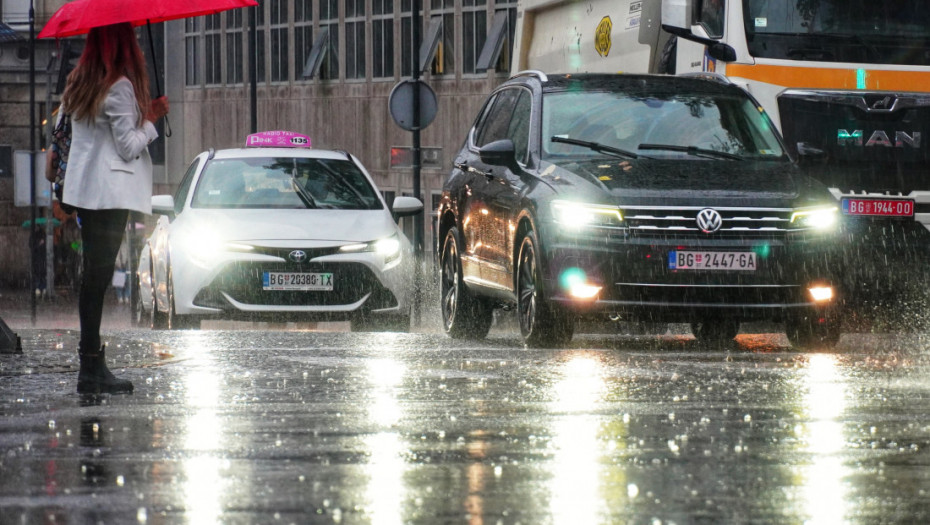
{"x": 283, "y": 253}
{"x": 673, "y": 219}
{"x": 242, "y": 281}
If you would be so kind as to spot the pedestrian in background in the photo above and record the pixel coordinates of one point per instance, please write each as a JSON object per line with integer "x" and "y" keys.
{"x": 121, "y": 274}
{"x": 109, "y": 174}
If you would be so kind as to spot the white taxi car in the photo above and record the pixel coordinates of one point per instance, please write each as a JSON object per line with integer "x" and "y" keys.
{"x": 278, "y": 231}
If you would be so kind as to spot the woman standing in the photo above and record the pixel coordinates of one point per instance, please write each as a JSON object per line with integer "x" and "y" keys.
{"x": 109, "y": 174}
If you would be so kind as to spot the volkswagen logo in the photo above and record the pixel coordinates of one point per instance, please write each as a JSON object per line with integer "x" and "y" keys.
{"x": 709, "y": 220}
{"x": 298, "y": 256}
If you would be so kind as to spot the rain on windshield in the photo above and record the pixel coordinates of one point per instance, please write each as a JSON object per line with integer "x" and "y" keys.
{"x": 887, "y": 32}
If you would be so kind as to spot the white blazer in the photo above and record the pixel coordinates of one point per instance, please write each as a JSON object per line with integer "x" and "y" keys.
{"x": 109, "y": 166}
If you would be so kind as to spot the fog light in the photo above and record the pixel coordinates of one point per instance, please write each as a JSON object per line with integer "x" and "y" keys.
{"x": 821, "y": 293}
{"x": 576, "y": 283}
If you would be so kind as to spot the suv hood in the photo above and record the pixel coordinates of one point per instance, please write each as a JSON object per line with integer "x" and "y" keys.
{"x": 683, "y": 182}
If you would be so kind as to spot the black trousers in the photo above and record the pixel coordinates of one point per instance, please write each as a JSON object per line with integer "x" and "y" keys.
{"x": 101, "y": 235}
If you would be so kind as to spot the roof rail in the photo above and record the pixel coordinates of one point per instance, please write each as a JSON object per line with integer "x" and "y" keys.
{"x": 532, "y": 73}
{"x": 708, "y": 75}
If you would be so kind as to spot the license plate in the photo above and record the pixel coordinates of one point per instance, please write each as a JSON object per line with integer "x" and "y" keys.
{"x": 880, "y": 207}
{"x": 292, "y": 281}
{"x": 691, "y": 260}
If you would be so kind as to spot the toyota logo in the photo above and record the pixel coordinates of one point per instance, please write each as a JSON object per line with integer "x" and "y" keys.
{"x": 709, "y": 220}
{"x": 298, "y": 256}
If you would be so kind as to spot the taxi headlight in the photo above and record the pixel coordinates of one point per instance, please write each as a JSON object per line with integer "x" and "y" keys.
{"x": 389, "y": 247}
{"x": 203, "y": 246}
{"x": 815, "y": 219}
{"x": 577, "y": 215}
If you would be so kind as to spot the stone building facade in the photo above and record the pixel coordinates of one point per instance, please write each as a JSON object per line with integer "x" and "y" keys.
{"x": 364, "y": 49}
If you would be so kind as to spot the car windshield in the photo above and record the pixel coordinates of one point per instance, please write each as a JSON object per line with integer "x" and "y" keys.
{"x": 284, "y": 182}
{"x": 698, "y": 126}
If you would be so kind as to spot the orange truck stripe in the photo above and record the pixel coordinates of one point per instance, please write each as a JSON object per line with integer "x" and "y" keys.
{"x": 828, "y": 78}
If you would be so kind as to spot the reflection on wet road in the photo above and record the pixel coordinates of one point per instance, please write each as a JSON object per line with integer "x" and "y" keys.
{"x": 301, "y": 427}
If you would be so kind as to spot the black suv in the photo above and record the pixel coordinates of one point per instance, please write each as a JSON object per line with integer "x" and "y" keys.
{"x": 636, "y": 198}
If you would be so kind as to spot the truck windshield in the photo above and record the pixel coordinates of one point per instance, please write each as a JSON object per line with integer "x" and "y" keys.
{"x": 863, "y": 31}
{"x": 671, "y": 125}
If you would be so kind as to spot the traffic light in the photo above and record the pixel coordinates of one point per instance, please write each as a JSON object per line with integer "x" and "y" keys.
{"x": 67, "y": 60}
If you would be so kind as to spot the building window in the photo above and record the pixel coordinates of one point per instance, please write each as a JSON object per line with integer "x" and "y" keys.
{"x": 234, "y": 55}
{"x": 213, "y": 52}
{"x": 382, "y": 38}
{"x": 279, "y": 55}
{"x": 303, "y": 35}
{"x": 444, "y": 61}
{"x": 329, "y": 18}
{"x": 406, "y": 37}
{"x": 474, "y": 32}
{"x": 355, "y": 38}
{"x": 192, "y": 51}
{"x": 507, "y": 8}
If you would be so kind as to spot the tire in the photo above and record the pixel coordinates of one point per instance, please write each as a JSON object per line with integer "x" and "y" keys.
{"x": 464, "y": 316}
{"x": 157, "y": 320}
{"x": 542, "y": 324}
{"x": 718, "y": 330}
{"x": 139, "y": 314}
{"x": 175, "y": 321}
{"x": 814, "y": 332}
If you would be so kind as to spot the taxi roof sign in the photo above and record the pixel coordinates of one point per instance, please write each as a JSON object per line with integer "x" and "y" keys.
{"x": 277, "y": 139}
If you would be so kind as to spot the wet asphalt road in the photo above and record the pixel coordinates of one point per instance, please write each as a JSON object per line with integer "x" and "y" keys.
{"x": 250, "y": 426}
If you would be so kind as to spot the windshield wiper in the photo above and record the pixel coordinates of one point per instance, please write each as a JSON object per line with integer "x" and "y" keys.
{"x": 303, "y": 194}
{"x": 692, "y": 150}
{"x": 595, "y": 146}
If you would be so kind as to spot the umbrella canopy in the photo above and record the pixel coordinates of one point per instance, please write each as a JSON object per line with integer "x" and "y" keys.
{"x": 80, "y": 16}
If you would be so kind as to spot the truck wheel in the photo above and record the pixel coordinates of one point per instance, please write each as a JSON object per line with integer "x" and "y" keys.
{"x": 542, "y": 324}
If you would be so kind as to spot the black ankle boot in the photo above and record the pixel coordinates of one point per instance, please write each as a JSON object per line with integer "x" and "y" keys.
{"x": 95, "y": 378}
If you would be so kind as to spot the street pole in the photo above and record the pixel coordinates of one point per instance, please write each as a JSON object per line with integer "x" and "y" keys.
{"x": 253, "y": 67}
{"x": 32, "y": 154}
{"x": 49, "y": 216}
{"x": 417, "y": 219}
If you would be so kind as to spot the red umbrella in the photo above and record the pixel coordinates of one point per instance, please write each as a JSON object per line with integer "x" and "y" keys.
{"x": 80, "y": 16}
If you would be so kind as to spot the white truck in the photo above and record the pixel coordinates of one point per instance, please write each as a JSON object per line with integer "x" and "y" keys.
{"x": 846, "y": 81}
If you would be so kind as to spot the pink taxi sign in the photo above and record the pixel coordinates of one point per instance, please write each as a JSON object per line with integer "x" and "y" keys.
{"x": 277, "y": 139}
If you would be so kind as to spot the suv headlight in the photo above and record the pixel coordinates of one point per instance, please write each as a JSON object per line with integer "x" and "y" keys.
{"x": 577, "y": 215}
{"x": 815, "y": 218}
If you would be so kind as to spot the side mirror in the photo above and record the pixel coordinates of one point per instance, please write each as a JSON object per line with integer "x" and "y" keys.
{"x": 163, "y": 205}
{"x": 499, "y": 153}
{"x": 406, "y": 207}
{"x": 677, "y": 13}
{"x": 722, "y": 52}
{"x": 810, "y": 153}
{"x": 677, "y": 20}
